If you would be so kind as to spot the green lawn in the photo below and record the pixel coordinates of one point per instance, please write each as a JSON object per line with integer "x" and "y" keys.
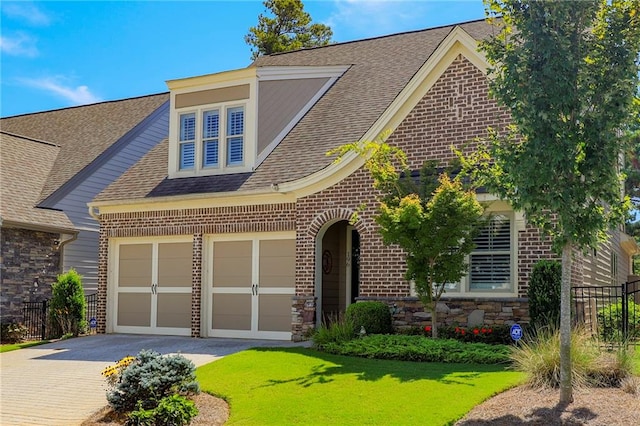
{"x": 303, "y": 386}
{"x": 8, "y": 347}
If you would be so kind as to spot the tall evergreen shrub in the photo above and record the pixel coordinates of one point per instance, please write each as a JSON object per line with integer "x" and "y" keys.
{"x": 68, "y": 304}
{"x": 544, "y": 294}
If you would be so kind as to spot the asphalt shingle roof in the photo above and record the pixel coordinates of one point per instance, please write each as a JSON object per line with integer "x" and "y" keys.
{"x": 31, "y": 161}
{"x": 82, "y": 133}
{"x": 379, "y": 69}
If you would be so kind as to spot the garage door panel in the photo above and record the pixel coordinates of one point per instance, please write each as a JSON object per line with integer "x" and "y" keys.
{"x": 277, "y": 263}
{"x": 134, "y": 267}
{"x": 175, "y": 264}
{"x": 274, "y": 312}
{"x": 231, "y": 312}
{"x": 134, "y": 309}
{"x": 232, "y": 264}
{"x": 174, "y": 310}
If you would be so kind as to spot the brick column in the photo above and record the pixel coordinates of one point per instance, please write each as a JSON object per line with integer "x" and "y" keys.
{"x": 196, "y": 285}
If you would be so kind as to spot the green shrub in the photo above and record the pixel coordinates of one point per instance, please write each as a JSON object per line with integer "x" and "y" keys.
{"x": 610, "y": 321}
{"x": 373, "y": 316}
{"x": 592, "y": 365}
{"x": 336, "y": 330}
{"x": 173, "y": 410}
{"x": 544, "y": 294}
{"x": 418, "y": 348}
{"x": 12, "y": 332}
{"x": 149, "y": 378}
{"x": 67, "y": 305}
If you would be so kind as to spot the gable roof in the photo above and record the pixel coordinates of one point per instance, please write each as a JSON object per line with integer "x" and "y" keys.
{"x": 379, "y": 69}
{"x": 82, "y": 133}
{"x": 25, "y": 165}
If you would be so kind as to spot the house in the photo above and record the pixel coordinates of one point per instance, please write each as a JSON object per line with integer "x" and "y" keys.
{"x": 238, "y": 225}
{"x": 52, "y": 164}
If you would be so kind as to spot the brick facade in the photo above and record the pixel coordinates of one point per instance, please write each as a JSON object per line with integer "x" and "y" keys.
{"x": 26, "y": 257}
{"x": 454, "y": 112}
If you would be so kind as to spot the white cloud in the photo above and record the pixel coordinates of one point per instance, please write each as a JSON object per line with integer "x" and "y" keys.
{"x": 79, "y": 95}
{"x": 375, "y": 17}
{"x": 26, "y": 11}
{"x": 20, "y": 44}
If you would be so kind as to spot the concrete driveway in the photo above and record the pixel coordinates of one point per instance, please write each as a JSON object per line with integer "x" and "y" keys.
{"x": 60, "y": 383}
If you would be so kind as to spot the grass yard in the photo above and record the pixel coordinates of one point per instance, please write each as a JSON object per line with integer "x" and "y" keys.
{"x": 297, "y": 385}
{"x": 8, "y": 347}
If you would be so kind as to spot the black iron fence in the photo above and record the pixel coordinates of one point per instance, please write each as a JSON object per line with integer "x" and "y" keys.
{"x": 35, "y": 317}
{"x": 611, "y": 313}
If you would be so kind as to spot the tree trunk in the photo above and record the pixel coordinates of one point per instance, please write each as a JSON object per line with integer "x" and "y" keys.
{"x": 434, "y": 320}
{"x": 566, "y": 388}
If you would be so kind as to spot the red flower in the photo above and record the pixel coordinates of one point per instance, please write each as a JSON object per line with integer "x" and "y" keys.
{"x": 427, "y": 328}
{"x": 484, "y": 330}
{"x": 462, "y": 331}
{"x": 476, "y": 331}
{"x": 457, "y": 330}
{"x": 489, "y": 331}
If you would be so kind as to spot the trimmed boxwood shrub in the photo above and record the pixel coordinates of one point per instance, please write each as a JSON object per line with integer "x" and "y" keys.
{"x": 373, "y": 316}
{"x": 544, "y": 294}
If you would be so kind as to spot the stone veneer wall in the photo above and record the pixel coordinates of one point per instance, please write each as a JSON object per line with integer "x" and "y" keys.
{"x": 26, "y": 256}
{"x": 409, "y": 312}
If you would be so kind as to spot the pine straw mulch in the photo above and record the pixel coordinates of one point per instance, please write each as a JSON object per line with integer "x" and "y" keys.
{"x": 518, "y": 406}
{"x": 212, "y": 411}
{"x": 527, "y": 406}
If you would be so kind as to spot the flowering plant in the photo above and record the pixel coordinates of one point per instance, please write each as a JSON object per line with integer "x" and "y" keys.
{"x": 113, "y": 373}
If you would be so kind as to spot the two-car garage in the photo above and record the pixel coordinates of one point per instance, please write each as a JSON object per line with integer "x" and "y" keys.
{"x": 247, "y": 284}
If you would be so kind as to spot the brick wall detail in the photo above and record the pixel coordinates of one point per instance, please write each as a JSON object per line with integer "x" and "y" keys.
{"x": 196, "y": 285}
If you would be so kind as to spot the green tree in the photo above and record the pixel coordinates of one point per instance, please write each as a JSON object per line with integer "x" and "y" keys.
{"x": 289, "y": 28}
{"x": 568, "y": 74}
{"x": 433, "y": 220}
{"x": 68, "y": 304}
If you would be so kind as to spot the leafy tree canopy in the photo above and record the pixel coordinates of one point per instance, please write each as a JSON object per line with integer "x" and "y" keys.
{"x": 290, "y": 28}
{"x": 431, "y": 216}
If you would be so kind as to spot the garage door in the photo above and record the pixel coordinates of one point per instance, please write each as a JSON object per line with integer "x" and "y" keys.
{"x": 152, "y": 289}
{"x": 251, "y": 284}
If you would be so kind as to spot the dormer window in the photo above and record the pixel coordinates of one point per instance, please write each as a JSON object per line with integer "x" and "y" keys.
{"x": 215, "y": 127}
{"x": 199, "y": 138}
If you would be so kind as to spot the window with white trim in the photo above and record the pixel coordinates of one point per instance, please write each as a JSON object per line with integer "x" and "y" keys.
{"x": 212, "y": 138}
{"x": 491, "y": 263}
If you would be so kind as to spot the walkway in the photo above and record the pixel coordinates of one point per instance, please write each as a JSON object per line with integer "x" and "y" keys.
{"x": 60, "y": 383}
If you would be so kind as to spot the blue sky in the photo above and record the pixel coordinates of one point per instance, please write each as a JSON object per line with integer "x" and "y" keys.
{"x": 60, "y": 54}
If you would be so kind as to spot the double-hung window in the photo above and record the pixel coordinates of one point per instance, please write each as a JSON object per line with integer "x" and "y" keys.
{"x": 187, "y": 141}
{"x": 212, "y": 138}
{"x": 490, "y": 261}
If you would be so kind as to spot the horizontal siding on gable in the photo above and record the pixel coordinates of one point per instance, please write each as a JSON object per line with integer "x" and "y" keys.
{"x": 82, "y": 254}
{"x": 75, "y": 256}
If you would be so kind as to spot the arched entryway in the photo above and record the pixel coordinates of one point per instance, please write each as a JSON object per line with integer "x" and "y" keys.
{"x": 337, "y": 269}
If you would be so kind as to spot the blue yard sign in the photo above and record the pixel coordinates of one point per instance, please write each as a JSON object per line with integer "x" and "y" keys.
{"x": 93, "y": 323}
{"x": 516, "y": 332}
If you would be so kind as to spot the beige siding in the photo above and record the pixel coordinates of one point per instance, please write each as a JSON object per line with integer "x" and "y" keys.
{"x": 213, "y": 96}
{"x": 279, "y": 101}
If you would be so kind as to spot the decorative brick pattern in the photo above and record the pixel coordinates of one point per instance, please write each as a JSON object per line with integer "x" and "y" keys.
{"x": 26, "y": 257}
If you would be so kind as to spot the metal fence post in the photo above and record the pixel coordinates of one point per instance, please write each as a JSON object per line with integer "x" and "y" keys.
{"x": 625, "y": 313}
{"x": 43, "y": 318}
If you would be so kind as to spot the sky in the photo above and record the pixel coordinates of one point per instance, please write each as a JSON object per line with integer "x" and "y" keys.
{"x": 61, "y": 54}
